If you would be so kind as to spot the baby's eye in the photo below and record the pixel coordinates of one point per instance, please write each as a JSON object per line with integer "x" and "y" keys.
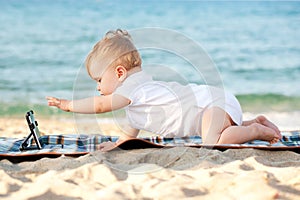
{"x": 99, "y": 81}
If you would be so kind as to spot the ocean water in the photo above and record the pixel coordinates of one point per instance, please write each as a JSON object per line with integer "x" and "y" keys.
{"x": 254, "y": 45}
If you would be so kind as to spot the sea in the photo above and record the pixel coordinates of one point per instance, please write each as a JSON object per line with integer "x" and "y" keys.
{"x": 252, "y": 48}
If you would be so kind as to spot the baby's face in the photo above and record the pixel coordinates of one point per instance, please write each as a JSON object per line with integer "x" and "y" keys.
{"x": 108, "y": 81}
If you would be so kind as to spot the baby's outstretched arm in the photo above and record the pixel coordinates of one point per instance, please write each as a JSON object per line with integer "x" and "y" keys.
{"x": 96, "y": 104}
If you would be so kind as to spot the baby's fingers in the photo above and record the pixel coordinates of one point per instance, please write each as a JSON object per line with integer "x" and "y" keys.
{"x": 52, "y": 101}
{"x": 106, "y": 146}
{"x": 50, "y": 98}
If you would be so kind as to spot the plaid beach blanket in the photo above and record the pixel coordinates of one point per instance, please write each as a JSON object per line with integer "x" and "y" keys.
{"x": 76, "y": 145}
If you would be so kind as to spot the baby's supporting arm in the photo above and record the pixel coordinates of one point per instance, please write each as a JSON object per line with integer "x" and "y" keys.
{"x": 130, "y": 133}
{"x": 96, "y": 104}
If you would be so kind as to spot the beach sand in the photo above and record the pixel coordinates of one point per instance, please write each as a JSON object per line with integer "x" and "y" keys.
{"x": 168, "y": 173}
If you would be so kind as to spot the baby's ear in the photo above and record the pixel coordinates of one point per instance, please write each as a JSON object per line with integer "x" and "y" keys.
{"x": 121, "y": 72}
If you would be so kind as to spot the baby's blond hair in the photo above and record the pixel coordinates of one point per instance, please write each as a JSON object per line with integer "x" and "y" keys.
{"x": 116, "y": 48}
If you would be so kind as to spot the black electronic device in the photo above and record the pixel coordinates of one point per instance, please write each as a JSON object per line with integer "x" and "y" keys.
{"x": 28, "y": 143}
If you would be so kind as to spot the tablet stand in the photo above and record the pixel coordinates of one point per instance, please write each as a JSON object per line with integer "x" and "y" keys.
{"x": 34, "y": 132}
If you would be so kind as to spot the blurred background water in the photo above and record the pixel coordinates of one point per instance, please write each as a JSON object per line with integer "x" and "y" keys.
{"x": 255, "y": 46}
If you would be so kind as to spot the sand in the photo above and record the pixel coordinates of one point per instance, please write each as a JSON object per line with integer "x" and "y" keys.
{"x": 168, "y": 173}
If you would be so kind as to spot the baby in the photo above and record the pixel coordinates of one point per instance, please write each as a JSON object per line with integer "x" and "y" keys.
{"x": 165, "y": 108}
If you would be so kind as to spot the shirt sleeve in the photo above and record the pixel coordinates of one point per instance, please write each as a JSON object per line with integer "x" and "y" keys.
{"x": 130, "y": 84}
{"x": 126, "y": 89}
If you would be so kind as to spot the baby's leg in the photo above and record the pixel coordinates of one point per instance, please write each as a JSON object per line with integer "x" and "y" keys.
{"x": 214, "y": 121}
{"x": 217, "y": 128}
{"x": 242, "y": 134}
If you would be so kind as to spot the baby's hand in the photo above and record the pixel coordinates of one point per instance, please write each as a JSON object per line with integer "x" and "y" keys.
{"x": 52, "y": 101}
{"x": 62, "y": 104}
{"x": 106, "y": 146}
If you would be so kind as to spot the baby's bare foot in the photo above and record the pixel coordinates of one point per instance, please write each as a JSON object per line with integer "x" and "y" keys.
{"x": 264, "y": 121}
{"x": 265, "y": 133}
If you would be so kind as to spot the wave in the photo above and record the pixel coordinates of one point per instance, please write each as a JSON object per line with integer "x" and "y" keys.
{"x": 283, "y": 70}
{"x": 269, "y": 102}
{"x": 249, "y": 102}
{"x": 20, "y": 109}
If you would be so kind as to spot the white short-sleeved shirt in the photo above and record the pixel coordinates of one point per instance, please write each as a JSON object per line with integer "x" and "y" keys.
{"x": 171, "y": 109}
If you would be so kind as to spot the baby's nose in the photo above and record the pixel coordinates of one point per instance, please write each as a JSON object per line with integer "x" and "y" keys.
{"x": 98, "y": 87}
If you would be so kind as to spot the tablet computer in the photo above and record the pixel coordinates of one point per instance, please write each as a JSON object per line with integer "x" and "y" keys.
{"x": 33, "y": 143}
